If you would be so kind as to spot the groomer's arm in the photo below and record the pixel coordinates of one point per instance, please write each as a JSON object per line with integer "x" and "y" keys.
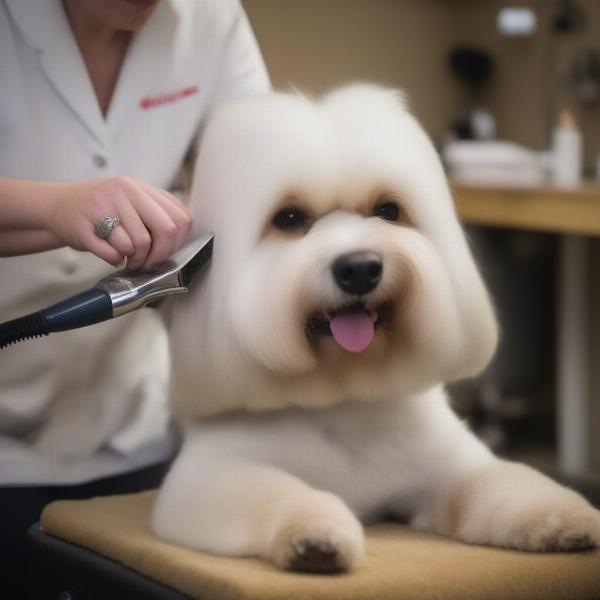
{"x": 241, "y": 70}
{"x": 27, "y": 241}
{"x": 39, "y": 215}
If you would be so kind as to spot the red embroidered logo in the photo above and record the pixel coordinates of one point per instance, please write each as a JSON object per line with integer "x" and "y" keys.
{"x": 155, "y": 101}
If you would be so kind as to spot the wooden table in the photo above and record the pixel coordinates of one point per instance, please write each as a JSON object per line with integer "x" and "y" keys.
{"x": 557, "y": 210}
{"x": 574, "y": 214}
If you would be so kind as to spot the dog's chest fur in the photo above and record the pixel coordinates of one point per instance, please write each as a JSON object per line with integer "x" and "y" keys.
{"x": 379, "y": 456}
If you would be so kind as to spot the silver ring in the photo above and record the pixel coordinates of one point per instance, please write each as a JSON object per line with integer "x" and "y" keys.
{"x": 105, "y": 227}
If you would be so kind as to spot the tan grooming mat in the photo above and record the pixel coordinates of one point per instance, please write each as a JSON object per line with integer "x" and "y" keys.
{"x": 401, "y": 564}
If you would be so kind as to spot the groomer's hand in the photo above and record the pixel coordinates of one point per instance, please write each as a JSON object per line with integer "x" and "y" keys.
{"x": 152, "y": 224}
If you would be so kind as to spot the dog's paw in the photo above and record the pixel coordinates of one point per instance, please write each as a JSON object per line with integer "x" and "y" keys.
{"x": 514, "y": 506}
{"x": 316, "y": 548}
{"x": 561, "y": 522}
{"x": 567, "y": 526}
{"x": 323, "y": 538}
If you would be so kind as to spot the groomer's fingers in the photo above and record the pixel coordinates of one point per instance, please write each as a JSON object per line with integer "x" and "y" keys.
{"x": 120, "y": 240}
{"x": 171, "y": 198}
{"x": 130, "y": 238}
{"x": 179, "y": 214}
{"x": 100, "y": 247}
{"x": 177, "y": 211}
{"x": 137, "y": 232}
{"x": 162, "y": 228}
{"x": 153, "y": 223}
{"x": 173, "y": 204}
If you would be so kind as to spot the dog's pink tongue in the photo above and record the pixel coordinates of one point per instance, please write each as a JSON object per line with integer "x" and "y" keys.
{"x": 353, "y": 331}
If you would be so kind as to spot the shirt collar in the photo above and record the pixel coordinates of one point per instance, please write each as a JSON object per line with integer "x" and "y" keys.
{"x": 41, "y": 22}
{"x": 45, "y": 27}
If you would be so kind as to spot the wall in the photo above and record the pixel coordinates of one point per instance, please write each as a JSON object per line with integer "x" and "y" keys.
{"x": 531, "y": 70}
{"x": 317, "y": 44}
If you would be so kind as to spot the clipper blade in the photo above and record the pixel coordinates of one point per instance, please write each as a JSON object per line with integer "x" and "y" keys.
{"x": 201, "y": 258}
{"x": 130, "y": 289}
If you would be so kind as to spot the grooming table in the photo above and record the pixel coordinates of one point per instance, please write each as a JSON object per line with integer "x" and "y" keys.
{"x": 103, "y": 548}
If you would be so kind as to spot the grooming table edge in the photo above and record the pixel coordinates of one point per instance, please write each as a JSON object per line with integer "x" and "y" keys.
{"x": 400, "y": 563}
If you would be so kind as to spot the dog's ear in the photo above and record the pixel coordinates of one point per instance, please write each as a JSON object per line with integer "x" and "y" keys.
{"x": 477, "y": 325}
{"x": 476, "y": 314}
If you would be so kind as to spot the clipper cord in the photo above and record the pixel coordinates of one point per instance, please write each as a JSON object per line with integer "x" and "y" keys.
{"x": 86, "y": 308}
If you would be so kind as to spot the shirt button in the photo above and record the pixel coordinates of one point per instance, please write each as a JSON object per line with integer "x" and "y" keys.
{"x": 70, "y": 262}
{"x": 100, "y": 161}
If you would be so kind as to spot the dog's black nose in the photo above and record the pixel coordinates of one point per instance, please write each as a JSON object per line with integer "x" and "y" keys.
{"x": 358, "y": 272}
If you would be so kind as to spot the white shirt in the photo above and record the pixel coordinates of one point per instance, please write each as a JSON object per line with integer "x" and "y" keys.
{"x": 89, "y": 403}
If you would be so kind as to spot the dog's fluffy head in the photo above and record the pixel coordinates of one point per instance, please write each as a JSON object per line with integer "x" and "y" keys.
{"x": 339, "y": 272}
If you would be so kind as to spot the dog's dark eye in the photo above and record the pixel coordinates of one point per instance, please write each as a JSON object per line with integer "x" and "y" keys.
{"x": 387, "y": 210}
{"x": 289, "y": 219}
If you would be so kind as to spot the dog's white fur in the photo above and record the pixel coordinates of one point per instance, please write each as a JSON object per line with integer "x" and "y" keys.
{"x": 291, "y": 441}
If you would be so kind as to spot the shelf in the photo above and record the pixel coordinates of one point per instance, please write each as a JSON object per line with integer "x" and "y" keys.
{"x": 556, "y": 210}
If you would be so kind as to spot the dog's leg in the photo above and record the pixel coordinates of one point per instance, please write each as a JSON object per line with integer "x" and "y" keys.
{"x": 461, "y": 490}
{"x": 233, "y": 506}
{"x": 511, "y": 505}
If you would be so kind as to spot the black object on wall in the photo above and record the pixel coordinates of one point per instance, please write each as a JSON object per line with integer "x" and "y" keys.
{"x": 473, "y": 68}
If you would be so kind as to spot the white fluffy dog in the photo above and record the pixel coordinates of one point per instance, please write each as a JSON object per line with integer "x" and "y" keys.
{"x": 309, "y": 364}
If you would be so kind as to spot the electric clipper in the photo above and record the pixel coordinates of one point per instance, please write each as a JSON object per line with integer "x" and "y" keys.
{"x": 115, "y": 295}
